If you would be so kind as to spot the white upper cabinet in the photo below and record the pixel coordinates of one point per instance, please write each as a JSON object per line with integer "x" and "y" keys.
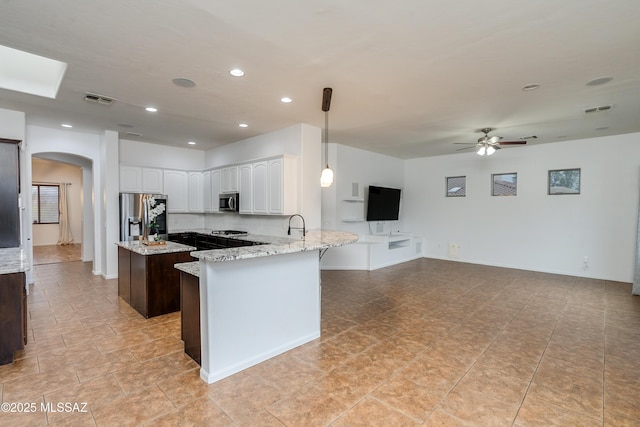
{"x": 130, "y": 179}
{"x": 230, "y": 179}
{"x": 152, "y": 181}
{"x": 195, "y": 191}
{"x": 245, "y": 188}
{"x": 206, "y": 191}
{"x": 176, "y": 187}
{"x": 134, "y": 179}
{"x": 282, "y": 187}
{"x": 216, "y": 189}
{"x": 260, "y": 188}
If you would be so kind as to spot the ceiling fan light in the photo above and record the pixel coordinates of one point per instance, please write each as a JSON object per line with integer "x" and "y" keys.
{"x": 490, "y": 150}
{"x": 494, "y": 139}
{"x": 482, "y": 151}
{"x": 326, "y": 179}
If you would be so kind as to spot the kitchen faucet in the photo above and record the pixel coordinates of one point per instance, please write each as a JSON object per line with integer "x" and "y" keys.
{"x": 296, "y": 228}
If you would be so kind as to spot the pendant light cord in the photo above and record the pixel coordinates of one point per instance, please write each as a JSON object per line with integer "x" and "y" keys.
{"x": 326, "y": 138}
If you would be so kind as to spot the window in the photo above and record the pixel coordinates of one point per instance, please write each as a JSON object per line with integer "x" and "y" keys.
{"x": 456, "y": 186}
{"x": 504, "y": 184}
{"x": 564, "y": 181}
{"x": 45, "y": 204}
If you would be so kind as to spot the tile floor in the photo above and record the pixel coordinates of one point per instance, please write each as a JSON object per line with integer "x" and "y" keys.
{"x": 50, "y": 254}
{"x": 428, "y": 342}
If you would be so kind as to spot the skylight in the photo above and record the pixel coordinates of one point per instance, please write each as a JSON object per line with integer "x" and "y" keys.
{"x": 28, "y": 73}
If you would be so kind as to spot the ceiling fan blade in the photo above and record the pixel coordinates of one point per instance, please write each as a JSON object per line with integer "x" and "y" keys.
{"x": 512, "y": 142}
{"x": 466, "y": 143}
{"x": 465, "y": 148}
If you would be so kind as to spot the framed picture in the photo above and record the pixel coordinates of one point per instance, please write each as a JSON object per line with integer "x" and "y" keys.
{"x": 456, "y": 186}
{"x": 504, "y": 184}
{"x": 564, "y": 181}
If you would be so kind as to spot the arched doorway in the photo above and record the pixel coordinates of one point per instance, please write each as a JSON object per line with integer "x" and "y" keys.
{"x": 83, "y": 227}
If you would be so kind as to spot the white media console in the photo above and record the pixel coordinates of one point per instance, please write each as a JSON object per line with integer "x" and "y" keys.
{"x": 373, "y": 251}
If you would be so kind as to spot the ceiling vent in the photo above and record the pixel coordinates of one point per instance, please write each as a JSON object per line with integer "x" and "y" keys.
{"x": 98, "y": 99}
{"x": 598, "y": 109}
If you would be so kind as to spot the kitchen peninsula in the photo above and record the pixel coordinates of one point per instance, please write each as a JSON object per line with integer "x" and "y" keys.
{"x": 259, "y": 301}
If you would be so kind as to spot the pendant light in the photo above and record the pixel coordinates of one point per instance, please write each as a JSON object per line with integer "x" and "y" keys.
{"x": 326, "y": 179}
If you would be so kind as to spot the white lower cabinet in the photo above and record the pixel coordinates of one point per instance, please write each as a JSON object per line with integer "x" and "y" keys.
{"x": 176, "y": 187}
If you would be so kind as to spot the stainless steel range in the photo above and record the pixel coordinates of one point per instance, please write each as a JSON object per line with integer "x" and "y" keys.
{"x": 227, "y": 233}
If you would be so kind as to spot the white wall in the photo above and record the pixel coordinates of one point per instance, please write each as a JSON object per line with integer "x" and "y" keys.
{"x": 109, "y": 207}
{"x": 87, "y": 147}
{"x": 51, "y": 172}
{"x": 12, "y": 124}
{"x": 533, "y": 231}
{"x": 136, "y": 153}
{"x": 353, "y": 165}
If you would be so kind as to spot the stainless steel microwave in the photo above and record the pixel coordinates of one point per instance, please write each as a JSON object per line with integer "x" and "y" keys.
{"x": 229, "y": 202}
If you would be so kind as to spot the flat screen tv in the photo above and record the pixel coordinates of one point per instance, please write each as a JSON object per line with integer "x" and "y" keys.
{"x": 384, "y": 204}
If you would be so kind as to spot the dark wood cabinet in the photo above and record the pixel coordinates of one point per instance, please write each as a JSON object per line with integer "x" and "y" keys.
{"x": 190, "y": 314}
{"x": 150, "y": 283}
{"x": 13, "y": 315}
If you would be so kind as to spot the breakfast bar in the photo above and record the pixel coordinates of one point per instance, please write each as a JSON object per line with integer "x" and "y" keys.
{"x": 259, "y": 301}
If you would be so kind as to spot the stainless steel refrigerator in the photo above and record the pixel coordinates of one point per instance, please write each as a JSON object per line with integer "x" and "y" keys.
{"x": 134, "y": 216}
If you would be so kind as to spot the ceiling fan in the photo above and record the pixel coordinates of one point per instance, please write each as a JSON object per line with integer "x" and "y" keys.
{"x": 487, "y": 145}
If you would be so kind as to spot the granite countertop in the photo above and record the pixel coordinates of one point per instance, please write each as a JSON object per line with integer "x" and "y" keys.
{"x": 141, "y": 249}
{"x": 13, "y": 260}
{"x": 315, "y": 240}
{"x": 192, "y": 267}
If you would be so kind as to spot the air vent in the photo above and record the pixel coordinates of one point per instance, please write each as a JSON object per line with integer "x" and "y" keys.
{"x": 133, "y": 134}
{"x": 98, "y": 99}
{"x": 599, "y": 109}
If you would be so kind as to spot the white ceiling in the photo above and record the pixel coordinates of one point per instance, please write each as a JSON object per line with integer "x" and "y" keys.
{"x": 409, "y": 77}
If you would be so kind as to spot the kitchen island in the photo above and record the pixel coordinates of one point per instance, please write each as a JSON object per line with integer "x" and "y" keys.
{"x": 147, "y": 280}
{"x": 13, "y": 302}
{"x": 259, "y": 301}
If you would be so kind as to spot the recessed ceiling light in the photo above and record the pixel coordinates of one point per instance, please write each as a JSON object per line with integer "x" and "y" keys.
{"x": 182, "y": 82}
{"x": 151, "y": 109}
{"x": 243, "y": 125}
{"x": 66, "y": 125}
{"x": 599, "y": 81}
{"x": 191, "y": 143}
{"x": 286, "y": 99}
{"x": 532, "y": 86}
{"x": 236, "y": 72}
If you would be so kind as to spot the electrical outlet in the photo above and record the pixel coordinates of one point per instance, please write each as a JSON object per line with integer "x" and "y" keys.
{"x": 454, "y": 250}
{"x": 585, "y": 262}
